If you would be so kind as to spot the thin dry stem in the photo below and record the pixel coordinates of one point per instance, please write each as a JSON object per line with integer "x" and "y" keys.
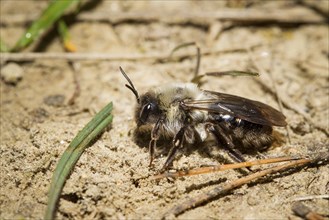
{"x": 275, "y": 90}
{"x": 295, "y": 15}
{"x": 305, "y": 212}
{"x": 294, "y": 107}
{"x": 108, "y": 57}
{"x": 282, "y": 100}
{"x": 220, "y": 190}
{"x": 310, "y": 197}
{"x": 212, "y": 169}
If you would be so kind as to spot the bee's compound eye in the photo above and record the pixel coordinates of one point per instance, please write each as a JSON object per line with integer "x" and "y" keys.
{"x": 146, "y": 110}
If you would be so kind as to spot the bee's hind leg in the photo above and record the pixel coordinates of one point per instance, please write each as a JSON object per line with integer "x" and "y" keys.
{"x": 225, "y": 142}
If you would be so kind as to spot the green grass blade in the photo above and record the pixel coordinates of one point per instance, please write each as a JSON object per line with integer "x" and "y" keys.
{"x": 71, "y": 155}
{"x": 3, "y": 46}
{"x": 53, "y": 12}
{"x": 65, "y": 36}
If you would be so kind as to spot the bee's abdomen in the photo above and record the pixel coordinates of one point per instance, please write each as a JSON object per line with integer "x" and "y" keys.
{"x": 253, "y": 136}
{"x": 246, "y": 135}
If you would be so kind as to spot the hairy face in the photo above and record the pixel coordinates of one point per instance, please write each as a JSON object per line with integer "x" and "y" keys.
{"x": 147, "y": 111}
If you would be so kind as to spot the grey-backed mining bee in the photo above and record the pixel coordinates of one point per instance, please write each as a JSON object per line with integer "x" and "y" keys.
{"x": 185, "y": 113}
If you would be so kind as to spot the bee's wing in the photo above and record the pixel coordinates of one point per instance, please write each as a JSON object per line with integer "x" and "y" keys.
{"x": 246, "y": 109}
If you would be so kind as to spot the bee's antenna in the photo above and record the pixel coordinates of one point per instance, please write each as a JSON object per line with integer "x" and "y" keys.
{"x": 131, "y": 86}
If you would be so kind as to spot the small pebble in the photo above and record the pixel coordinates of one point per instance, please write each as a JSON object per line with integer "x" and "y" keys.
{"x": 12, "y": 73}
{"x": 54, "y": 100}
{"x": 253, "y": 200}
{"x": 39, "y": 115}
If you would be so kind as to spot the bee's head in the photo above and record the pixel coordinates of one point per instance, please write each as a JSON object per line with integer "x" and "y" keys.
{"x": 147, "y": 110}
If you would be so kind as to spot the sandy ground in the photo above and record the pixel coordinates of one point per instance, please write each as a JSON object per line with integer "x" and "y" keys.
{"x": 37, "y": 123}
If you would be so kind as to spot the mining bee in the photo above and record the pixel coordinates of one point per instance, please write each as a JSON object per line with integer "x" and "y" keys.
{"x": 188, "y": 114}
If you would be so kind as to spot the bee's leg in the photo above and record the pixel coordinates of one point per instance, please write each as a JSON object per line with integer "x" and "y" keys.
{"x": 154, "y": 137}
{"x": 177, "y": 143}
{"x": 152, "y": 146}
{"x": 225, "y": 141}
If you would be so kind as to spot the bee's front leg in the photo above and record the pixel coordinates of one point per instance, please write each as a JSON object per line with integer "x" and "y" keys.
{"x": 155, "y": 134}
{"x": 177, "y": 143}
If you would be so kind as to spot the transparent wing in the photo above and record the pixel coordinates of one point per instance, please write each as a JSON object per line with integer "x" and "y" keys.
{"x": 246, "y": 109}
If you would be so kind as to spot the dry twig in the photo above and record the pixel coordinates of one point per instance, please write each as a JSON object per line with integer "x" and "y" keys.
{"x": 223, "y": 167}
{"x": 275, "y": 90}
{"x": 305, "y": 212}
{"x": 296, "y": 15}
{"x": 284, "y": 100}
{"x": 290, "y": 105}
{"x": 221, "y": 190}
{"x": 310, "y": 197}
{"x": 108, "y": 57}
